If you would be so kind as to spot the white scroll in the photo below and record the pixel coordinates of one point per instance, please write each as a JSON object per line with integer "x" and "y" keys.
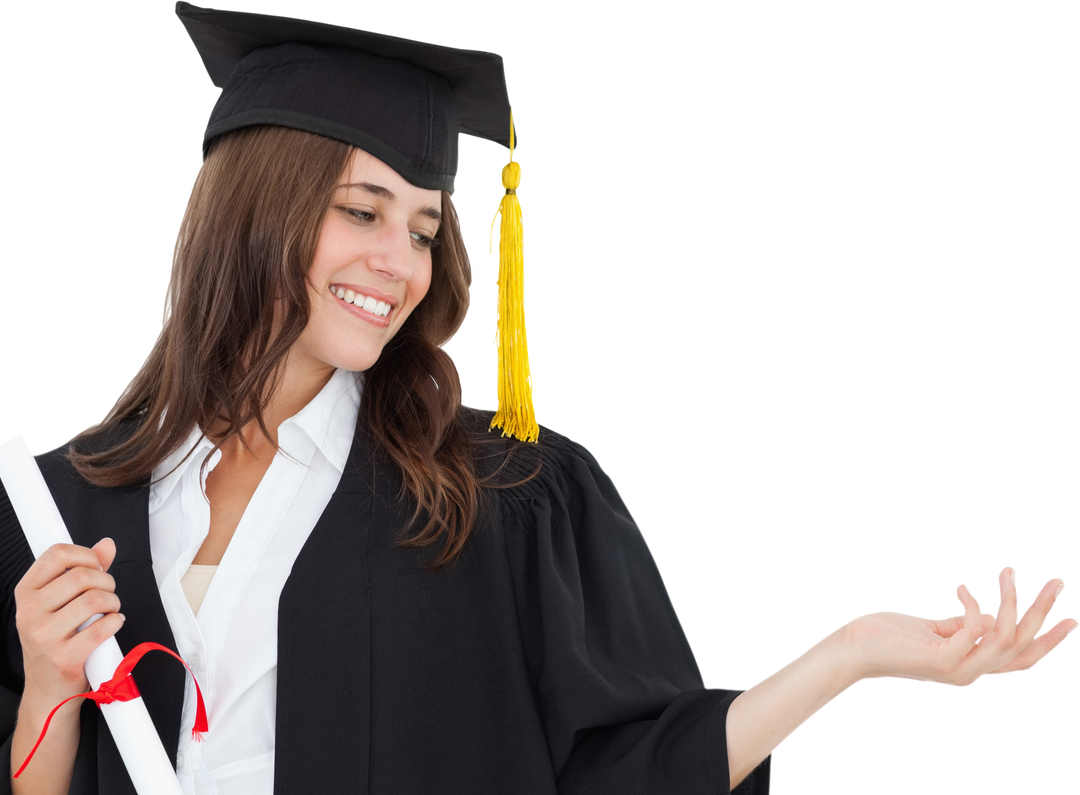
{"x": 129, "y": 722}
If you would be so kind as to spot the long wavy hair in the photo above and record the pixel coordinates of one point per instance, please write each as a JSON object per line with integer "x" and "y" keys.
{"x": 248, "y": 237}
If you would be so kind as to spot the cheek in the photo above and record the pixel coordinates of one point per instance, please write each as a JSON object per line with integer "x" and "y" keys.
{"x": 426, "y": 284}
{"x": 422, "y": 291}
{"x": 416, "y": 290}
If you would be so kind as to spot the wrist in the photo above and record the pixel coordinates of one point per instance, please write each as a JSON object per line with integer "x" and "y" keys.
{"x": 759, "y": 719}
{"x": 841, "y": 650}
{"x": 35, "y": 706}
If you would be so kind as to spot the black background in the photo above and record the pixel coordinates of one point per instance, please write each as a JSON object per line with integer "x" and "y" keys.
{"x": 768, "y": 287}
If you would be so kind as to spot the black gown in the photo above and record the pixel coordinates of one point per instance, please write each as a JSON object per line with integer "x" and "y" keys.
{"x": 547, "y": 659}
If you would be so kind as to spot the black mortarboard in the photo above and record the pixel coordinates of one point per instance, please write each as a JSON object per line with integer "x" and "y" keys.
{"x": 403, "y": 101}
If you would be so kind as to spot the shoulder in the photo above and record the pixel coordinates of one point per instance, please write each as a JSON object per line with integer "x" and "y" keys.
{"x": 557, "y": 514}
{"x": 56, "y": 464}
{"x": 507, "y": 460}
{"x": 550, "y": 446}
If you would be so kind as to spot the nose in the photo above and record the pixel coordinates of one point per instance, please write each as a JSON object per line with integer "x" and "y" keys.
{"x": 392, "y": 254}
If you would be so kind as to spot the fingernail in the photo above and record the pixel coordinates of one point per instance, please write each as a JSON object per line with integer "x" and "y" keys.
{"x": 122, "y": 616}
{"x": 1060, "y": 588}
{"x": 1073, "y": 627}
{"x": 1012, "y": 576}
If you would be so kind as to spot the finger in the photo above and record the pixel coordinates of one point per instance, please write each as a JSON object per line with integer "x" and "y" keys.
{"x": 1037, "y": 614}
{"x": 70, "y": 585}
{"x": 948, "y": 627}
{"x": 966, "y": 596}
{"x": 53, "y": 562}
{"x": 968, "y": 655}
{"x": 971, "y": 628}
{"x": 971, "y": 608}
{"x": 979, "y": 646}
{"x": 105, "y": 549}
{"x": 1014, "y": 642}
{"x": 1045, "y": 644}
{"x": 995, "y": 646}
{"x": 94, "y": 635}
{"x": 1005, "y": 628}
{"x": 76, "y": 613}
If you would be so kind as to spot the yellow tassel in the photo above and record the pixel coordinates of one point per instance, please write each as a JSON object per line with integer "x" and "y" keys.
{"x": 515, "y": 415}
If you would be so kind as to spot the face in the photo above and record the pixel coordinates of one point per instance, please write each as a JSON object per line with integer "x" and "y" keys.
{"x": 372, "y": 266}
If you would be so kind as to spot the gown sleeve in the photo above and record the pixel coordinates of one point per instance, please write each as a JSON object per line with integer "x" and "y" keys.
{"x": 617, "y": 687}
{"x": 15, "y": 559}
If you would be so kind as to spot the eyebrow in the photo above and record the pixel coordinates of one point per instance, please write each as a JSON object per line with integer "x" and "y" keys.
{"x": 388, "y": 195}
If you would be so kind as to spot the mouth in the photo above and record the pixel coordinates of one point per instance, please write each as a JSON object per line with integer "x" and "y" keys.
{"x": 365, "y": 303}
{"x": 372, "y": 317}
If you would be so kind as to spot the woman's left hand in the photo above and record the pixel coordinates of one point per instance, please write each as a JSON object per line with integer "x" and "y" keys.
{"x": 957, "y": 650}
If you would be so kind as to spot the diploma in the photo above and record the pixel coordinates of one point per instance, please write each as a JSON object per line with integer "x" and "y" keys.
{"x": 129, "y": 722}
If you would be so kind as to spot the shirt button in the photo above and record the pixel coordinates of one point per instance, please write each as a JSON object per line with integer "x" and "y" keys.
{"x": 193, "y": 662}
{"x": 179, "y": 761}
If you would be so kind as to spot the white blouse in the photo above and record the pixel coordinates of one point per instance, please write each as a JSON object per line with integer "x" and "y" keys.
{"x": 231, "y": 644}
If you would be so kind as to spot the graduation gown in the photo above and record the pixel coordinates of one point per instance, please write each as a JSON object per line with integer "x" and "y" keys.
{"x": 547, "y": 659}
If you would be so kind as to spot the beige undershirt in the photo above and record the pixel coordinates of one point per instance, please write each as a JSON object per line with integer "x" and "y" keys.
{"x": 195, "y": 583}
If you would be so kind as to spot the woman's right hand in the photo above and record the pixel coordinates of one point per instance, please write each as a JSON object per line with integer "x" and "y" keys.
{"x": 66, "y": 586}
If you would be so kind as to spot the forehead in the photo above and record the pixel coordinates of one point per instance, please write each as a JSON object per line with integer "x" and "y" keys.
{"x": 363, "y": 168}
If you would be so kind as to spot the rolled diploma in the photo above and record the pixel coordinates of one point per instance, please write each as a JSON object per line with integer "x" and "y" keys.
{"x": 135, "y": 734}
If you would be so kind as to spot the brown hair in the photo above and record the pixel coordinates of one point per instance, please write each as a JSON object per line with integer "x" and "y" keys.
{"x": 248, "y": 237}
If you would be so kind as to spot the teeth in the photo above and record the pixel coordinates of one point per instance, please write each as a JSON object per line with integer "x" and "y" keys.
{"x": 378, "y": 308}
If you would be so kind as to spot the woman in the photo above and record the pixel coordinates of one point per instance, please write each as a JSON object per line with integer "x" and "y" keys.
{"x": 284, "y": 231}
{"x": 539, "y": 651}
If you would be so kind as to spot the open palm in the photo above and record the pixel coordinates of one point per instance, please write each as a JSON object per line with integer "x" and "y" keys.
{"x": 959, "y": 649}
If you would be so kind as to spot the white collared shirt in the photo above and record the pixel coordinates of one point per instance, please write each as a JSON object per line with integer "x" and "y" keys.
{"x": 232, "y": 645}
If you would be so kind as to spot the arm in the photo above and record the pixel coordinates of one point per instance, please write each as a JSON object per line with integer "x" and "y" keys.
{"x": 55, "y": 760}
{"x": 762, "y": 717}
{"x": 954, "y": 651}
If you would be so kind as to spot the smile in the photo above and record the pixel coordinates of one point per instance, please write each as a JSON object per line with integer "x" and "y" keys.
{"x": 364, "y": 313}
{"x": 377, "y": 308}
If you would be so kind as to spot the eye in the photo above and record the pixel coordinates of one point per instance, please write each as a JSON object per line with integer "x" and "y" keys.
{"x": 356, "y": 213}
{"x": 426, "y": 241}
{"x": 423, "y": 240}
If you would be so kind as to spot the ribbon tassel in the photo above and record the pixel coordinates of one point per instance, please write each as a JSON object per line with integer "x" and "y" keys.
{"x": 122, "y": 687}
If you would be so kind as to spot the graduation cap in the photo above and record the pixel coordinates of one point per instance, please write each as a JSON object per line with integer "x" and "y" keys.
{"x": 402, "y": 101}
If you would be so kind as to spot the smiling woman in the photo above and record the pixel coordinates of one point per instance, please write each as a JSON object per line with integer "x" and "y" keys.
{"x": 261, "y": 273}
{"x": 536, "y": 648}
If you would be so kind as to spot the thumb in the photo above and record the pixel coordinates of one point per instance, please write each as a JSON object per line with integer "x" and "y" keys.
{"x": 105, "y": 549}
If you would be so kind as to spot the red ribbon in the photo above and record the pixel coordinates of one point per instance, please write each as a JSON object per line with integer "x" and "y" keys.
{"x": 122, "y": 687}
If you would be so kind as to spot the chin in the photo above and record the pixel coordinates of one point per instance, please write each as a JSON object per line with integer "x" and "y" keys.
{"x": 355, "y": 364}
